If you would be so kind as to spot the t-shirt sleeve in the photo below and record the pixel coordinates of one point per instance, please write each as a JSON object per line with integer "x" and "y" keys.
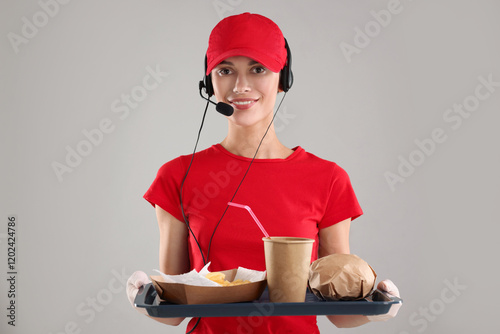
{"x": 342, "y": 202}
{"x": 165, "y": 189}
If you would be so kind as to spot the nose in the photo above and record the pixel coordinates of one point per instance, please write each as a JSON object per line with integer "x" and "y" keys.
{"x": 242, "y": 84}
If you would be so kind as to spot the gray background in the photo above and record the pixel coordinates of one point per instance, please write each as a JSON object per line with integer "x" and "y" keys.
{"x": 76, "y": 235}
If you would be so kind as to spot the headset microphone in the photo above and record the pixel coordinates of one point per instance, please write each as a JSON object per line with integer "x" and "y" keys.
{"x": 223, "y": 108}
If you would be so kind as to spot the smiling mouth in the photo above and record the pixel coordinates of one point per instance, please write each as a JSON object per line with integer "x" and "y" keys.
{"x": 242, "y": 103}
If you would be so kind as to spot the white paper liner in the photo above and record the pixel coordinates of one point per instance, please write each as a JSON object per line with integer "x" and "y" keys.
{"x": 198, "y": 278}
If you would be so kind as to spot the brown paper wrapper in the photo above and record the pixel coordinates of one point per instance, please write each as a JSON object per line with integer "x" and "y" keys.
{"x": 341, "y": 277}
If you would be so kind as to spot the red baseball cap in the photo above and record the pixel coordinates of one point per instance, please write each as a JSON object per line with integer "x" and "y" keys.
{"x": 250, "y": 35}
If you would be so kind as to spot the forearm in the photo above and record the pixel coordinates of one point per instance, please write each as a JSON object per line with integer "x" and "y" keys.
{"x": 168, "y": 321}
{"x": 348, "y": 321}
{"x": 173, "y": 251}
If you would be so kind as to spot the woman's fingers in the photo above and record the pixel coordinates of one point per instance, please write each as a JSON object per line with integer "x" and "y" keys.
{"x": 134, "y": 283}
{"x": 388, "y": 286}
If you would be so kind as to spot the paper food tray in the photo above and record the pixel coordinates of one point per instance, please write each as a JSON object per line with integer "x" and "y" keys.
{"x": 377, "y": 303}
{"x": 178, "y": 293}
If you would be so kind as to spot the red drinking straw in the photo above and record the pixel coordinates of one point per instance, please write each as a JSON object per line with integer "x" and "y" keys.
{"x": 253, "y": 216}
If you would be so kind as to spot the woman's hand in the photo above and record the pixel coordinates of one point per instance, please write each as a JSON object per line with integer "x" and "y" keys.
{"x": 389, "y": 287}
{"x": 134, "y": 283}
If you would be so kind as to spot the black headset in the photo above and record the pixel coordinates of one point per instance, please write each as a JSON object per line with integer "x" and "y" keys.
{"x": 286, "y": 75}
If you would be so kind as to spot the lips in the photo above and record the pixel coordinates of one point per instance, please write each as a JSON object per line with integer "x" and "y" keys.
{"x": 243, "y": 104}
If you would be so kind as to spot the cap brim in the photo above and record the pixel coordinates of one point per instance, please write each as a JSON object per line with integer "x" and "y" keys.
{"x": 260, "y": 57}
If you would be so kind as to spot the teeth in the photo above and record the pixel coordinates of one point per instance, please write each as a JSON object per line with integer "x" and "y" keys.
{"x": 242, "y": 102}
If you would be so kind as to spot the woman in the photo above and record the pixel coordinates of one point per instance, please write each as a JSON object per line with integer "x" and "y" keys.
{"x": 293, "y": 192}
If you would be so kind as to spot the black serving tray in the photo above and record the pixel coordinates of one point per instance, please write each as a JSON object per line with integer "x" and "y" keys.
{"x": 376, "y": 303}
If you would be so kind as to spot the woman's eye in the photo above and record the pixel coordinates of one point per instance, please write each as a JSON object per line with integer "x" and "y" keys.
{"x": 259, "y": 69}
{"x": 224, "y": 71}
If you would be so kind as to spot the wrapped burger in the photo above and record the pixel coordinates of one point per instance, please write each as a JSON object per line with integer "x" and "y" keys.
{"x": 341, "y": 277}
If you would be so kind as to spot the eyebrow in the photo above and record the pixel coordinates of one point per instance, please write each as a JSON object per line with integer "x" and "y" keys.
{"x": 251, "y": 62}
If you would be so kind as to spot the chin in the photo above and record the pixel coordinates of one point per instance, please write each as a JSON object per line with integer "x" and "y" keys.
{"x": 250, "y": 122}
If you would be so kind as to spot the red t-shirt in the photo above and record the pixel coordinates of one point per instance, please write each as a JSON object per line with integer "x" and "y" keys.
{"x": 294, "y": 197}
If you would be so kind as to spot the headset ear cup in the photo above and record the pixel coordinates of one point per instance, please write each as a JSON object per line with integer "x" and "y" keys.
{"x": 207, "y": 81}
{"x": 286, "y": 79}
{"x": 286, "y": 75}
{"x": 209, "y": 88}
{"x": 290, "y": 79}
{"x": 283, "y": 80}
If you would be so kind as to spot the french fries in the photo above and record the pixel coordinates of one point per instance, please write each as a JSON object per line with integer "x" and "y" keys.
{"x": 220, "y": 278}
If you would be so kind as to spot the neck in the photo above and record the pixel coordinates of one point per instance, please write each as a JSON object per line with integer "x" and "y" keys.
{"x": 243, "y": 141}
